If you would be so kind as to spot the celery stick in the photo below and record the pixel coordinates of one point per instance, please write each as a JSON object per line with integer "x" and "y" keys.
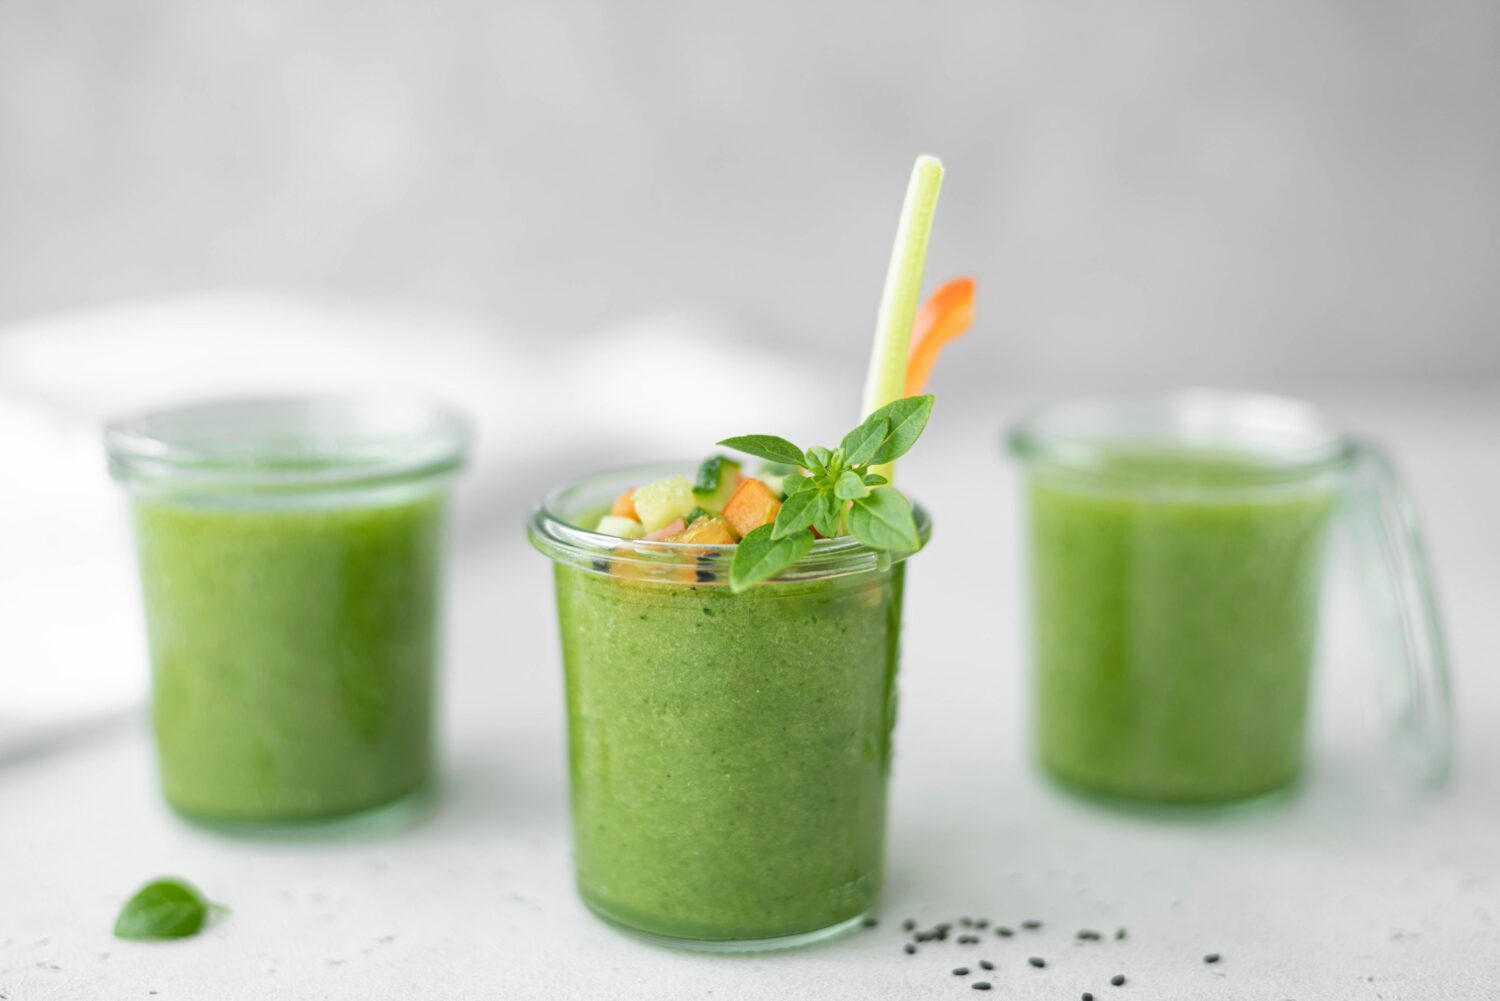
{"x": 903, "y": 289}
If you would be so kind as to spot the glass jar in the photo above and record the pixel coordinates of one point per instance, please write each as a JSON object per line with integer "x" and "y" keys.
{"x": 1177, "y": 550}
{"x": 729, "y": 753}
{"x": 291, "y": 557}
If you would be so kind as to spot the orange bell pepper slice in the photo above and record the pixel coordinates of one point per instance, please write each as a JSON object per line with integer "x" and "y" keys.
{"x": 945, "y": 315}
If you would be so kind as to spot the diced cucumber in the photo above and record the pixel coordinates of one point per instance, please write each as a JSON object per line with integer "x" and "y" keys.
{"x": 622, "y": 528}
{"x": 717, "y": 478}
{"x": 662, "y": 502}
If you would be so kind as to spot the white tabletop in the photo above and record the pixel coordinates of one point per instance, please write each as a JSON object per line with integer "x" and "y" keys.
{"x": 1345, "y": 892}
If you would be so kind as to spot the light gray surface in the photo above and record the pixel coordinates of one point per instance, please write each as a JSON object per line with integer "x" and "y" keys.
{"x": 1212, "y": 190}
{"x": 1342, "y": 894}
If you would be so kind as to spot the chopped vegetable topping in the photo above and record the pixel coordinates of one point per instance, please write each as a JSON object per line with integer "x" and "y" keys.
{"x": 667, "y": 531}
{"x": 660, "y": 503}
{"x": 752, "y": 505}
{"x": 625, "y": 506}
{"x": 717, "y": 479}
{"x": 624, "y": 528}
{"x": 708, "y": 531}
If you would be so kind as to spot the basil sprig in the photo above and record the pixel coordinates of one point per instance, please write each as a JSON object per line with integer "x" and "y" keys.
{"x": 830, "y": 490}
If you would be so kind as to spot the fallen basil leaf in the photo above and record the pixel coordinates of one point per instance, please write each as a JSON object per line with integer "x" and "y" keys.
{"x": 163, "y": 909}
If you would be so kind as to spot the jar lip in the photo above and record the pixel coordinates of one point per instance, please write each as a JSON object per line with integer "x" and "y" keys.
{"x": 1278, "y": 439}
{"x": 553, "y": 534}
{"x": 310, "y": 442}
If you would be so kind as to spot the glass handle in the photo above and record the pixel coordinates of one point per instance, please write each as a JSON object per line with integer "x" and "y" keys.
{"x": 1396, "y": 579}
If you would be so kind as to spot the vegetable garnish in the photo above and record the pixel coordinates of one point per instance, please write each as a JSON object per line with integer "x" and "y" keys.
{"x": 164, "y": 909}
{"x": 945, "y": 316}
{"x": 832, "y": 489}
{"x": 802, "y": 495}
{"x": 903, "y": 287}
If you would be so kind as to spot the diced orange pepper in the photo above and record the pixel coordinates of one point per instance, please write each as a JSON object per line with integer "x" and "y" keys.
{"x": 945, "y": 315}
{"x": 752, "y": 505}
{"x": 707, "y": 532}
{"x": 625, "y": 506}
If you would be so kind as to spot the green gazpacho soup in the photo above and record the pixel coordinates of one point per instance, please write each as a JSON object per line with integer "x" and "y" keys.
{"x": 291, "y": 551}
{"x": 1175, "y": 604}
{"x": 729, "y": 752}
{"x": 729, "y": 742}
{"x": 293, "y": 650}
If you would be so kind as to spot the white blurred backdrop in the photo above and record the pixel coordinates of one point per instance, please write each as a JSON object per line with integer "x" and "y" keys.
{"x": 615, "y": 232}
{"x": 1148, "y": 191}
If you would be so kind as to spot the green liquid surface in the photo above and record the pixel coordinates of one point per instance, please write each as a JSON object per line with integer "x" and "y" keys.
{"x": 729, "y": 753}
{"x": 1175, "y": 620}
{"x": 292, "y": 655}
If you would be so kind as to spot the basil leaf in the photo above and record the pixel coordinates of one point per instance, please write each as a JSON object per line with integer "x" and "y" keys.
{"x": 164, "y": 909}
{"x": 829, "y": 518}
{"x": 767, "y": 446}
{"x": 759, "y": 556}
{"x": 872, "y": 480}
{"x": 907, "y": 418}
{"x": 862, "y": 442}
{"x": 850, "y": 486}
{"x": 795, "y": 482}
{"x": 817, "y": 457}
{"x": 797, "y": 513}
{"x": 884, "y": 520}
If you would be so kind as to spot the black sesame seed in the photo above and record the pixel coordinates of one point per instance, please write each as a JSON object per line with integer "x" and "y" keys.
{"x": 1037, "y": 961}
{"x": 1089, "y": 936}
{"x": 968, "y": 940}
{"x": 911, "y": 950}
{"x": 981, "y": 923}
{"x": 985, "y": 964}
{"x": 961, "y": 971}
{"x": 1087, "y": 996}
{"x": 1118, "y": 980}
{"x": 966, "y": 922}
{"x": 980, "y": 985}
{"x": 1003, "y": 931}
{"x": 1120, "y": 935}
{"x": 1031, "y": 925}
{"x": 945, "y": 927}
{"x": 871, "y": 922}
{"x": 908, "y": 925}
{"x": 1212, "y": 957}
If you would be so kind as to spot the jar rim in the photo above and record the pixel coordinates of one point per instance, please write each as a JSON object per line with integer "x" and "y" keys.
{"x": 556, "y": 536}
{"x": 297, "y": 443}
{"x": 1279, "y": 439}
